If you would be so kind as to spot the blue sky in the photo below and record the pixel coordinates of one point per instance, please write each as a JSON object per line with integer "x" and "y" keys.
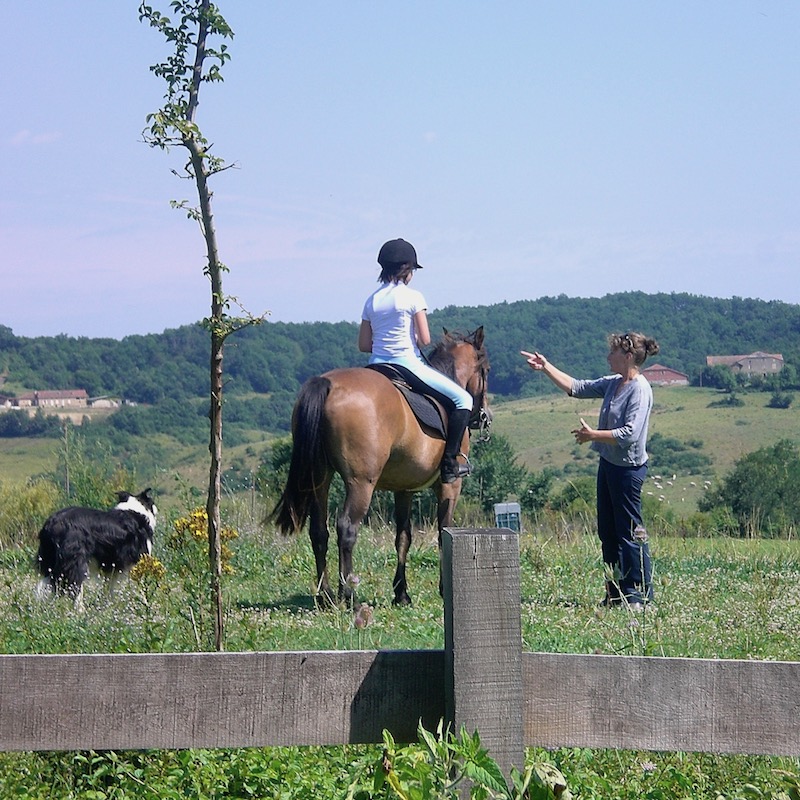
{"x": 525, "y": 148}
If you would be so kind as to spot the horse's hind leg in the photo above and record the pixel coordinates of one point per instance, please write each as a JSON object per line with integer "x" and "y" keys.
{"x": 318, "y": 533}
{"x": 355, "y": 507}
{"x": 402, "y": 543}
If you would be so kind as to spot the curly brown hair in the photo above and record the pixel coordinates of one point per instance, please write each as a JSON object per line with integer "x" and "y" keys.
{"x": 639, "y": 345}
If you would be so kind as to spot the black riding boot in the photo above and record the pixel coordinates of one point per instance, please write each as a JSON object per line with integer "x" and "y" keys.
{"x": 456, "y": 425}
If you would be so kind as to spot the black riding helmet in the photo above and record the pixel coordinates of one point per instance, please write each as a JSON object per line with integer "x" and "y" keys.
{"x": 398, "y": 252}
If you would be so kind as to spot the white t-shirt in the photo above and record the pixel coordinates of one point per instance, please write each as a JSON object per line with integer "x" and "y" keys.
{"x": 390, "y": 311}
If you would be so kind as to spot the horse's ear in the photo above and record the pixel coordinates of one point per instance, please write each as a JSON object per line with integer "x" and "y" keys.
{"x": 477, "y": 337}
{"x": 446, "y": 334}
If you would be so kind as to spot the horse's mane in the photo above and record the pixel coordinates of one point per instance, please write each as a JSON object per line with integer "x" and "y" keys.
{"x": 441, "y": 357}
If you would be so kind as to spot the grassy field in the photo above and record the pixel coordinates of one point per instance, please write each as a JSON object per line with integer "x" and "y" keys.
{"x": 715, "y": 598}
{"x": 24, "y": 457}
{"x": 182, "y": 465}
{"x": 540, "y": 430}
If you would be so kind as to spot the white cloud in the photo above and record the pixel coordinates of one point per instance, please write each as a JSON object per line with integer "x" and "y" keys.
{"x": 26, "y": 137}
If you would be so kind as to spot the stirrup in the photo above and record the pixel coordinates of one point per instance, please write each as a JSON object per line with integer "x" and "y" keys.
{"x": 451, "y": 471}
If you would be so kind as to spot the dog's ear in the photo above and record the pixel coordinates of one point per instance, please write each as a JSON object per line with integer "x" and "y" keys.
{"x": 147, "y": 495}
{"x": 122, "y": 496}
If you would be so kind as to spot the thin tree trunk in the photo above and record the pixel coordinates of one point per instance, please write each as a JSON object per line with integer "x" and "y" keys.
{"x": 214, "y": 271}
{"x": 215, "y": 487}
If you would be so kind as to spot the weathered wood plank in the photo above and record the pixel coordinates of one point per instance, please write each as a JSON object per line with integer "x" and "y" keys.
{"x": 482, "y": 680}
{"x": 719, "y": 706}
{"x": 71, "y": 702}
{"x": 483, "y": 639}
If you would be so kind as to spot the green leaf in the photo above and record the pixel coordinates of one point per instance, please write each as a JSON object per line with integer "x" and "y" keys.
{"x": 427, "y": 738}
{"x": 488, "y": 774}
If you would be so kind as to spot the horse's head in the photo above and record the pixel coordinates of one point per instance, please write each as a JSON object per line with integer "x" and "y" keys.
{"x": 463, "y": 357}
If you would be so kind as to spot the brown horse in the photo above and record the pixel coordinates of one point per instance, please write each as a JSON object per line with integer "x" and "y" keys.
{"x": 357, "y": 423}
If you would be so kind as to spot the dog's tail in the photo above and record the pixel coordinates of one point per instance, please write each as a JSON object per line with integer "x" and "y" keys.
{"x": 47, "y": 556}
{"x": 61, "y": 566}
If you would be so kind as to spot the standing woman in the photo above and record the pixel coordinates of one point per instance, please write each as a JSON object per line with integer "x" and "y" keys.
{"x": 394, "y": 325}
{"x": 620, "y": 438}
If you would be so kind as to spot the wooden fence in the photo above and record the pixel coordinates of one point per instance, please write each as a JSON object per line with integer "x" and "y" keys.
{"x": 481, "y": 680}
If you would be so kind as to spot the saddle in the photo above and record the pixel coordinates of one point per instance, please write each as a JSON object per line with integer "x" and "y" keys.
{"x": 426, "y": 407}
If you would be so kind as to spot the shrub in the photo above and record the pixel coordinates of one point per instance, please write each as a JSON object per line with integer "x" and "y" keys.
{"x": 761, "y": 491}
{"x": 576, "y": 496}
{"x": 731, "y": 400}
{"x": 780, "y": 400}
{"x": 23, "y": 510}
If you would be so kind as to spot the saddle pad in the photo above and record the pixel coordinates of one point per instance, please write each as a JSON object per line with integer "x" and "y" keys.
{"x": 426, "y": 409}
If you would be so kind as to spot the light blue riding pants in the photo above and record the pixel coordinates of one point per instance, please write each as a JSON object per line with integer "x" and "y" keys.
{"x": 432, "y": 378}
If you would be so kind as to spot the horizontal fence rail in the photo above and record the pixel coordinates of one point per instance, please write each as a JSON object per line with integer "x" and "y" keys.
{"x": 481, "y": 680}
{"x": 98, "y": 702}
{"x": 102, "y": 702}
{"x": 649, "y": 703}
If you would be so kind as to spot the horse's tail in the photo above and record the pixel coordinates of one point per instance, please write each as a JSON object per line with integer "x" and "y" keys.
{"x": 307, "y": 466}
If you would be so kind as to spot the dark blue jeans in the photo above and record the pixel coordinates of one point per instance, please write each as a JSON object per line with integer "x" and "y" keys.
{"x": 623, "y": 537}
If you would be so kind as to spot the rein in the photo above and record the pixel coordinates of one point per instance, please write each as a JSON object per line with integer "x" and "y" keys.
{"x": 482, "y": 421}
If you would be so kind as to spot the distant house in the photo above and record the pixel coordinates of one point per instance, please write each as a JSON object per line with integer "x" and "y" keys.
{"x": 757, "y": 363}
{"x": 53, "y": 398}
{"x": 104, "y": 402}
{"x": 659, "y": 375}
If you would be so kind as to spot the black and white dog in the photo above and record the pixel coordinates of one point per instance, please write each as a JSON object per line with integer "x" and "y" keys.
{"x": 76, "y": 542}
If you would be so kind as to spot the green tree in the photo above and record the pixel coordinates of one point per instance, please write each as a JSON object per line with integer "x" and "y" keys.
{"x": 781, "y": 400}
{"x": 718, "y": 377}
{"x": 273, "y": 471}
{"x": 536, "y": 490}
{"x": 193, "y": 63}
{"x": 577, "y": 496}
{"x": 87, "y": 474}
{"x": 496, "y": 473}
{"x": 761, "y": 491}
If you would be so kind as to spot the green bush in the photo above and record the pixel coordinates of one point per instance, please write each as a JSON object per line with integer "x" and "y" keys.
{"x": 761, "y": 491}
{"x": 23, "y": 510}
{"x": 446, "y": 763}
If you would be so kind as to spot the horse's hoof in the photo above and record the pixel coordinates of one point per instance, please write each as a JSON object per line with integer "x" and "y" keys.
{"x": 325, "y": 601}
{"x": 348, "y": 600}
{"x": 402, "y": 600}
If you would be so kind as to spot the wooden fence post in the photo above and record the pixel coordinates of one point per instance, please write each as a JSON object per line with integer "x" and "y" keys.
{"x": 483, "y": 639}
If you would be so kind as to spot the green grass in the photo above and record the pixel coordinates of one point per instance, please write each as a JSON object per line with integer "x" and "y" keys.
{"x": 715, "y": 598}
{"x": 21, "y": 459}
{"x": 540, "y": 430}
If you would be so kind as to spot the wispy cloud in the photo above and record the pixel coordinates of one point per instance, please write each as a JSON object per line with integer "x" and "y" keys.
{"x": 26, "y": 137}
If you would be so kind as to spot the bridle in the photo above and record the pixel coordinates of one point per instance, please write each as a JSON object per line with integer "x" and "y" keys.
{"x": 481, "y": 418}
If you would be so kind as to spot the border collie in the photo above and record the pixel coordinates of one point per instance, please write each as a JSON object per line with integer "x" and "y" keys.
{"x": 76, "y": 542}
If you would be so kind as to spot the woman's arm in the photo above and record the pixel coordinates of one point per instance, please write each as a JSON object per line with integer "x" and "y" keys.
{"x": 365, "y": 337}
{"x": 540, "y": 364}
{"x": 629, "y": 429}
{"x": 586, "y": 434}
{"x": 421, "y": 328}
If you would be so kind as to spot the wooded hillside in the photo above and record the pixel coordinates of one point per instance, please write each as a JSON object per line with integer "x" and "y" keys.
{"x": 275, "y": 358}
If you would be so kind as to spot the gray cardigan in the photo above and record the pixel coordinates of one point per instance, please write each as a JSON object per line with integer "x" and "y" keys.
{"x": 626, "y": 415}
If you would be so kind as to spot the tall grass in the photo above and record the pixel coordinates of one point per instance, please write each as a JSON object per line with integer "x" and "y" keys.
{"x": 715, "y": 598}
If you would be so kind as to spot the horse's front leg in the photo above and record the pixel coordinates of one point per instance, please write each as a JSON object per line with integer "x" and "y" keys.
{"x": 402, "y": 543}
{"x": 447, "y": 495}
